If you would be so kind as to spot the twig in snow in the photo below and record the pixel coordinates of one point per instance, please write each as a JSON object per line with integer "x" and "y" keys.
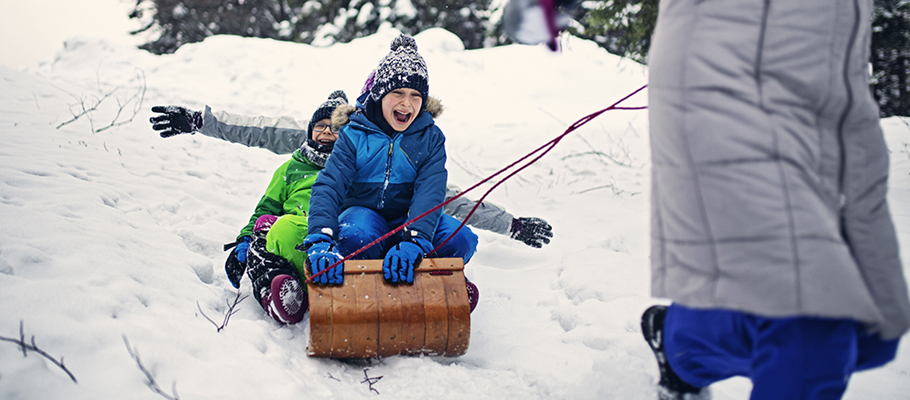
{"x": 619, "y": 154}
{"x": 34, "y": 347}
{"x": 232, "y": 309}
{"x": 150, "y": 380}
{"x": 370, "y": 381}
{"x": 88, "y": 104}
{"x": 138, "y": 97}
{"x": 87, "y": 112}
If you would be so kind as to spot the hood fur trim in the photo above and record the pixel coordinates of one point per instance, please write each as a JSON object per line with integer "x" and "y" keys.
{"x": 342, "y": 114}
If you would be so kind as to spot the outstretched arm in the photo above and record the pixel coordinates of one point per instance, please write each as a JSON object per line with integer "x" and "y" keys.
{"x": 280, "y": 135}
{"x": 534, "y": 232}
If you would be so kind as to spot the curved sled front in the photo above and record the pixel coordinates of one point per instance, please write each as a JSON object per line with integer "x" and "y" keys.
{"x": 367, "y": 317}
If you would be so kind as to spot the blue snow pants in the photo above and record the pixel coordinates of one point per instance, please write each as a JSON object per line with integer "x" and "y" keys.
{"x": 360, "y": 225}
{"x": 800, "y": 358}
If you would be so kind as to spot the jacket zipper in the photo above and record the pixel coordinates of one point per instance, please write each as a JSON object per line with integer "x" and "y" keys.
{"x": 388, "y": 172}
{"x": 842, "y": 198}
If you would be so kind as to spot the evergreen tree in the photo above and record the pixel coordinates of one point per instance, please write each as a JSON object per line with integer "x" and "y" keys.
{"x": 622, "y": 27}
{"x": 319, "y": 23}
{"x": 891, "y": 57}
{"x": 189, "y": 21}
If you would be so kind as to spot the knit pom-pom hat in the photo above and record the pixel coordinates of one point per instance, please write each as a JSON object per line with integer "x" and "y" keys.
{"x": 401, "y": 68}
{"x": 314, "y": 151}
{"x": 324, "y": 111}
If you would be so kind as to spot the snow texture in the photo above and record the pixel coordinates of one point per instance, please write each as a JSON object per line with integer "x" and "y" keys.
{"x": 118, "y": 233}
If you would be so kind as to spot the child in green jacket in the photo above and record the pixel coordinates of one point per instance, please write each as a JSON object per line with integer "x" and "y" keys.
{"x": 266, "y": 245}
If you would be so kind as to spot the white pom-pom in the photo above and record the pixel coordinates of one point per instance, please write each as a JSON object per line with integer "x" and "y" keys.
{"x": 338, "y": 94}
{"x": 403, "y": 40}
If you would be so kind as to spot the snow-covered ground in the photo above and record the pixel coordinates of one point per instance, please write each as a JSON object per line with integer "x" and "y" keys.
{"x": 116, "y": 234}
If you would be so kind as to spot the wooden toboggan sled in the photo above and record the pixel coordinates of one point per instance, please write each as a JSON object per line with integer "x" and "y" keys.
{"x": 367, "y": 317}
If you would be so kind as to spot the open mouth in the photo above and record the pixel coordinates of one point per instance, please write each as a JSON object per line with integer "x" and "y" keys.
{"x": 402, "y": 117}
{"x": 326, "y": 141}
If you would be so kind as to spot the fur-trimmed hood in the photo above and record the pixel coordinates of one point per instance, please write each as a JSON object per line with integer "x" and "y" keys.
{"x": 342, "y": 114}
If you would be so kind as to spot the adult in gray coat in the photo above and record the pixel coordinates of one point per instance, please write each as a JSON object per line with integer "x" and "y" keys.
{"x": 771, "y": 232}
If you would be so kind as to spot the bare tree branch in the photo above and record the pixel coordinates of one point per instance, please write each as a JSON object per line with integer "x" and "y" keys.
{"x": 232, "y": 309}
{"x": 88, "y": 104}
{"x": 86, "y": 111}
{"x": 150, "y": 379}
{"x": 619, "y": 152}
{"x": 370, "y": 381}
{"x": 34, "y": 347}
{"x": 138, "y": 97}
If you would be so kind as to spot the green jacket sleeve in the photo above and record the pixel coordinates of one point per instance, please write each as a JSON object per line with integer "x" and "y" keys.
{"x": 271, "y": 202}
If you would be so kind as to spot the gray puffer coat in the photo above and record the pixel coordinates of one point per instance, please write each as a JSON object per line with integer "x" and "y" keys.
{"x": 769, "y": 166}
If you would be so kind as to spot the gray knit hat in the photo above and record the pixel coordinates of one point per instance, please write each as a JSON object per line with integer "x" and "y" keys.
{"x": 401, "y": 68}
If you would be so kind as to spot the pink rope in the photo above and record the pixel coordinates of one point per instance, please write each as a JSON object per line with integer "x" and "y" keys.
{"x": 546, "y": 147}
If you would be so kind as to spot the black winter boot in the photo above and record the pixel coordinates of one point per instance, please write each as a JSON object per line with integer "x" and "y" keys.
{"x": 671, "y": 386}
{"x": 276, "y": 284}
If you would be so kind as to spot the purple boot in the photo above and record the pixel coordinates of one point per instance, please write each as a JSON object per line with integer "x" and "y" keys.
{"x": 286, "y": 302}
{"x": 473, "y": 294}
{"x": 264, "y": 222}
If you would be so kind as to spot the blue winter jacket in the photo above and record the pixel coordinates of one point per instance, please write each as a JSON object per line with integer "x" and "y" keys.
{"x": 400, "y": 177}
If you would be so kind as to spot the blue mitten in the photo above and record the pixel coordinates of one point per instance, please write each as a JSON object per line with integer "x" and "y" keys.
{"x": 401, "y": 260}
{"x": 321, "y": 253}
{"x": 243, "y": 247}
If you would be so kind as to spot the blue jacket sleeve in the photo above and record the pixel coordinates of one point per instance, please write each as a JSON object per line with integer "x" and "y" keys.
{"x": 331, "y": 187}
{"x": 429, "y": 188}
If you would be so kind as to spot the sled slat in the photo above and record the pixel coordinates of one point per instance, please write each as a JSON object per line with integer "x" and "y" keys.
{"x": 391, "y": 331}
{"x": 459, "y": 318}
{"x": 434, "y": 299}
{"x": 321, "y": 321}
{"x": 344, "y": 312}
{"x": 366, "y": 328}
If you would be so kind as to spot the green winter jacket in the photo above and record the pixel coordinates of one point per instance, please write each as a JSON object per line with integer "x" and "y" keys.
{"x": 288, "y": 192}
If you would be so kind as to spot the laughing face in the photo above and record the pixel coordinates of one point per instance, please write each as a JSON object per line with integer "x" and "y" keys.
{"x": 323, "y": 132}
{"x": 400, "y": 107}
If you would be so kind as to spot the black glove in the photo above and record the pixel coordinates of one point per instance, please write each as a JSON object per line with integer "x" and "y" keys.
{"x": 176, "y": 120}
{"x": 234, "y": 269}
{"x": 534, "y": 232}
{"x": 233, "y": 266}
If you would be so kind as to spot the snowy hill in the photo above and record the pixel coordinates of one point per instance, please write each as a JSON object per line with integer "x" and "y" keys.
{"x": 114, "y": 234}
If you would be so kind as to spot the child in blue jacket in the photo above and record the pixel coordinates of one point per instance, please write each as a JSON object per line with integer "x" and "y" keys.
{"x": 387, "y": 167}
